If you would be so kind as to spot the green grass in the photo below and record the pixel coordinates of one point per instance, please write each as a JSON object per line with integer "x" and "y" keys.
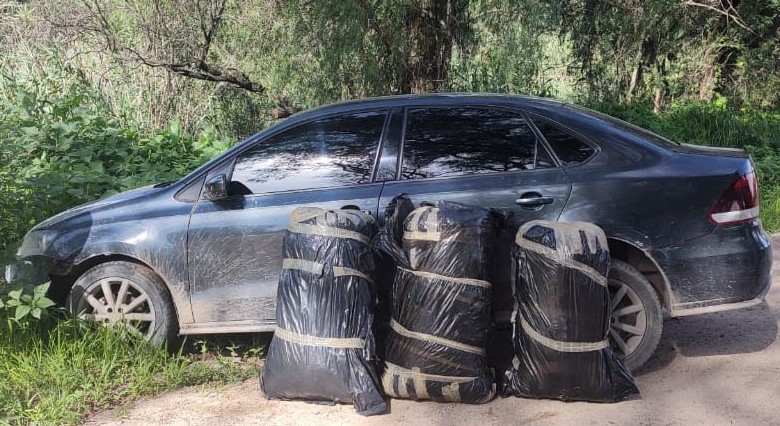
{"x": 770, "y": 208}
{"x": 75, "y": 368}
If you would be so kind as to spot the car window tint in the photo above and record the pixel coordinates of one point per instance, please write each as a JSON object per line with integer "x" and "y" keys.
{"x": 464, "y": 141}
{"x": 569, "y": 148}
{"x": 332, "y": 152}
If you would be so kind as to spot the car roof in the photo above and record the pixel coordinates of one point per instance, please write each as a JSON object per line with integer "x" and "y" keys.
{"x": 447, "y": 98}
{"x": 550, "y": 108}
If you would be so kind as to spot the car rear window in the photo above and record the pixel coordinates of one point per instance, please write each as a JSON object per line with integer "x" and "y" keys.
{"x": 569, "y": 148}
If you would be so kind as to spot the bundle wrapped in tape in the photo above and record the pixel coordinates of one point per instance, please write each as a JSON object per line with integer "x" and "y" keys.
{"x": 440, "y": 309}
{"x": 323, "y": 346}
{"x": 561, "y": 317}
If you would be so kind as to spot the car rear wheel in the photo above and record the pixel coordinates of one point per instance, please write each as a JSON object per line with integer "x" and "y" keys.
{"x": 636, "y": 319}
{"x": 128, "y": 294}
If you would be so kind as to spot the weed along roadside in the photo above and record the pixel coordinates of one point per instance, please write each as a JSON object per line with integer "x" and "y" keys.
{"x": 59, "y": 369}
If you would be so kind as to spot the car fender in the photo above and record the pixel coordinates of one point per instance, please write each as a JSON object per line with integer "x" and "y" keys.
{"x": 158, "y": 259}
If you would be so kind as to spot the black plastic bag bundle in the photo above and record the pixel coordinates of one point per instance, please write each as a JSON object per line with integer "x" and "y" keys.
{"x": 323, "y": 345}
{"x": 450, "y": 239}
{"x": 561, "y": 317}
{"x": 440, "y": 306}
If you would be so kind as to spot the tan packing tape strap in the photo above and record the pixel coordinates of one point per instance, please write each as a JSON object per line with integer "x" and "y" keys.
{"x": 570, "y": 233}
{"x": 451, "y": 392}
{"x": 325, "y": 342}
{"x": 303, "y": 265}
{"x": 341, "y": 271}
{"x": 318, "y": 268}
{"x": 567, "y": 234}
{"x": 387, "y": 385}
{"x": 552, "y": 254}
{"x": 433, "y": 219}
{"x": 414, "y": 260}
{"x": 422, "y": 236}
{"x": 327, "y": 231}
{"x": 420, "y": 387}
{"x": 414, "y": 219}
{"x": 558, "y": 345}
{"x": 403, "y": 376}
{"x": 397, "y": 370}
{"x": 432, "y": 232}
{"x": 303, "y": 214}
{"x": 398, "y": 328}
{"x": 467, "y": 281}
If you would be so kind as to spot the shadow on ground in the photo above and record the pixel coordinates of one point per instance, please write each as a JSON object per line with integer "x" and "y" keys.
{"x": 723, "y": 333}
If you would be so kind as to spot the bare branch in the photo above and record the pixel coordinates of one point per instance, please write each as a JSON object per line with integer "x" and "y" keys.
{"x": 730, "y": 12}
{"x": 177, "y": 44}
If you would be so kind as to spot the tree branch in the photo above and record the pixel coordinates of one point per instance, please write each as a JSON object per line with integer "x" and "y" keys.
{"x": 729, "y": 12}
{"x": 184, "y": 48}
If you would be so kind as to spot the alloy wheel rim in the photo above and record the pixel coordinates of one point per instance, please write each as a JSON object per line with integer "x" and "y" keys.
{"x": 117, "y": 300}
{"x": 628, "y": 318}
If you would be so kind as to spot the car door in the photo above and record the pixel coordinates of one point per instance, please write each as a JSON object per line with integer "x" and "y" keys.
{"x": 489, "y": 157}
{"x": 235, "y": 244}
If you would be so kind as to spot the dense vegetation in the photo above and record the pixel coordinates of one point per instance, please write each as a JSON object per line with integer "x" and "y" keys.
{"x": 99, "y": 96}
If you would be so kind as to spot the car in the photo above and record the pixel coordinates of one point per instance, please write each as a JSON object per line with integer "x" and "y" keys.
{"x": 203, "y": 254}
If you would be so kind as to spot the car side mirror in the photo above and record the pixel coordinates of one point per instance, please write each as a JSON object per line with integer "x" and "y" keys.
{"x": 216, "y": 188}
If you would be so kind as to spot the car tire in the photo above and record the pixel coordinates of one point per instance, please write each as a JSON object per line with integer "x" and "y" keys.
{"x": 127, "y": 293}
{"x": 636, "y": 318}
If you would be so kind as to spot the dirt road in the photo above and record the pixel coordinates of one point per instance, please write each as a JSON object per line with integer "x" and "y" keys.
{"x": 713, "y": 369}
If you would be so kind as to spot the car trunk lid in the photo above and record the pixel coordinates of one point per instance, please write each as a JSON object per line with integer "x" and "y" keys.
{"x": 710, "y": 150}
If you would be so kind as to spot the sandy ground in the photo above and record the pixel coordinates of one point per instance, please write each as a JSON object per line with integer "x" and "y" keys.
{"x": 717, "y": 369}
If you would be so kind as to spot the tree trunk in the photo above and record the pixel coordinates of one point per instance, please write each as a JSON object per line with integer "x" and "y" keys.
{"x": 432, "y": 25}
{"x": 634, "y": 77}
{"x": 707, "y": 84}
{"x": 637, "y": 72}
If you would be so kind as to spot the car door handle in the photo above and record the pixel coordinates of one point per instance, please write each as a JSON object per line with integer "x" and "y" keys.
{"x": 533, "y": 200}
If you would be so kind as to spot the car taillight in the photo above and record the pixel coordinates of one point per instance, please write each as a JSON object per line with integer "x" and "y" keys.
{"x": 739, "y": 203}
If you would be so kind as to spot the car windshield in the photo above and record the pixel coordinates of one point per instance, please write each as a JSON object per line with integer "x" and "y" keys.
{"x": 630, "y": 128}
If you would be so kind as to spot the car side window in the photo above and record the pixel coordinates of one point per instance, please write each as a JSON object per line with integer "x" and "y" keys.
{"x": 569, "y": 149}
{"x": 466, "y": 141}
{"x": 331, "y": 152}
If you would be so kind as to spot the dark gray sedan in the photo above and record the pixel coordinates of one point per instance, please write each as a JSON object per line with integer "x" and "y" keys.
{"x": 203, "y": 254}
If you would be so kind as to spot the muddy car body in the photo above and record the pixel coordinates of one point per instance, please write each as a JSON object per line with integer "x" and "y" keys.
{"x": 682, "y": 220}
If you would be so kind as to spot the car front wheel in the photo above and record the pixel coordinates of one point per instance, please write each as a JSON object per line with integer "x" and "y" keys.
{"x": 129, "y": 294}
{"x": 636, "y": 319}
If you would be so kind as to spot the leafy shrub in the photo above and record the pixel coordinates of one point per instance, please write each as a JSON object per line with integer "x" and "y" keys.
{"x": 58, "y": 150}
{"x": 27, "y": 306}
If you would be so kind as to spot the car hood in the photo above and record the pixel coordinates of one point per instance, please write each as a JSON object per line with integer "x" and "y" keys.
{"x": 99, "y": 205}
